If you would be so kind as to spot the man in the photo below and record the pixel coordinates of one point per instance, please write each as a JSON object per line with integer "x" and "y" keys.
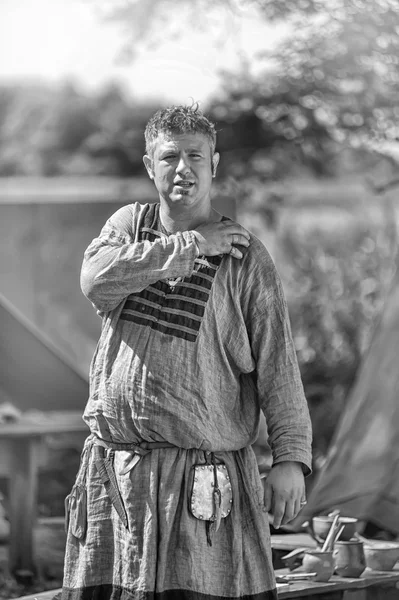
{"x": 195, "y": 341}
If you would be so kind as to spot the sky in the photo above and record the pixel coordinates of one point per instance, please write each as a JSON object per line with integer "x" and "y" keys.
{"x": 55, "y": 39}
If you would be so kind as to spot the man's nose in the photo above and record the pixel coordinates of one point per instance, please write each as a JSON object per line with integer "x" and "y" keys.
{"x": 183, "y": 165}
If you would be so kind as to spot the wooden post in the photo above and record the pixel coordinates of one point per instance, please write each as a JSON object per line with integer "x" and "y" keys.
{"x": 25, "y": 456}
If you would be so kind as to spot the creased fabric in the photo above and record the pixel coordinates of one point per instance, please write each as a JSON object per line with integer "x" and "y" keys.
{"x": 191, "y": 349}
{"x": 166, "y": 547}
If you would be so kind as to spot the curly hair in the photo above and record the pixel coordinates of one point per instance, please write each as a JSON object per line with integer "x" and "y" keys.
{"x": 177, "y": 120}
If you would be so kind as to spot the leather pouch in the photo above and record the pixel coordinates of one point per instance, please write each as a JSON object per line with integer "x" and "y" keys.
{"x": 76, "y": 511}
{"x": 76, "y": 501}
{"x": 207, "y": 501}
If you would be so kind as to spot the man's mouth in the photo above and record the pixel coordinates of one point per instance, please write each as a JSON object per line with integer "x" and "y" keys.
{"x": 184, "y": 184}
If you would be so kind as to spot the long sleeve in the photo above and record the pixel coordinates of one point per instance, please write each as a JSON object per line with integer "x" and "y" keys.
{"x": 279, "y": 384}
{"x": 116, "y": 265}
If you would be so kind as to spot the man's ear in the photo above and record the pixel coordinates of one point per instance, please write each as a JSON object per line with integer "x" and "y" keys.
{"x": 148, "y": 165}
{"x": 215, "y": 162}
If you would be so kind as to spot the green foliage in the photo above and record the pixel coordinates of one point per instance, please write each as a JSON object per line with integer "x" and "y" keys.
{"x": 336, "y": 248}
{"x": 337, "y": 279}
{"x": 332, "y": 82}
{"x": 59, "y": 131}
{"x": 146, "y": 24}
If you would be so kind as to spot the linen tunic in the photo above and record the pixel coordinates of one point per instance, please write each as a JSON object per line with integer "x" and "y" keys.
{"x": 191, "y": 349}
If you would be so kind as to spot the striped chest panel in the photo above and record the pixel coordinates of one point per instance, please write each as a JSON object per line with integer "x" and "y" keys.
{"x": 176, "y": 307}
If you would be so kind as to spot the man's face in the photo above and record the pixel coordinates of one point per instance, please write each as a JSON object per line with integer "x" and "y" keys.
{"x": 182, "y": 168}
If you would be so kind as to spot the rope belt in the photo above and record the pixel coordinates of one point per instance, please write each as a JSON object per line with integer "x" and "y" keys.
{"x": 104, "y": 453}
{"x": 139, "y": 447}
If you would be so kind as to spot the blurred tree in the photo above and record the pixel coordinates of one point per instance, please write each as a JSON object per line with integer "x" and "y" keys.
{"x": 40, "y": 126}
{"x": 146, "y": 24}
{"x": 118, "y": 143}
{"x": 51, "y": 131}
{"x": 331, "y": 83}
{"x": 337, "y": 283}
{"x": 22, "y": 113}
{"x": 68, "y": 120}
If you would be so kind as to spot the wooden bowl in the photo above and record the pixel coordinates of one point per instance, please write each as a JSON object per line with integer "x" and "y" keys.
{"x": 321, "y": 526}
{"x": 381, "y": 556}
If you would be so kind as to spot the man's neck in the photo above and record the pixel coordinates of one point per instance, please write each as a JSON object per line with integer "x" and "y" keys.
{"x": 181, "y": 220}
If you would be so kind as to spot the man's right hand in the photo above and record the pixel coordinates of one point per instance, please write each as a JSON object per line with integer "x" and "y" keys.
{"x": 221, "y": 238}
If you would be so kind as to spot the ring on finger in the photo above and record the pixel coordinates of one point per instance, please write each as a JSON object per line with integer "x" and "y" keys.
{"x": 303, "y": 502}
{"x": 232, "y": 250}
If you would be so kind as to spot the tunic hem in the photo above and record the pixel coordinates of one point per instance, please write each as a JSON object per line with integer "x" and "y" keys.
{"x": 114, "y": 592}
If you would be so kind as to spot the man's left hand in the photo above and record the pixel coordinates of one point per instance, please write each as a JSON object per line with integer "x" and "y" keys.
{"x": 284, "y": 492}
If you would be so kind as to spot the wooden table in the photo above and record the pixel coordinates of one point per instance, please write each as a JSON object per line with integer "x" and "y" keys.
{"x": 22, "y": 452}
{"x": 291, "y": 541}
{"x": 372, "y": 585}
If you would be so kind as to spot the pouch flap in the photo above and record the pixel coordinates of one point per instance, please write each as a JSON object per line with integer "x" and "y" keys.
{"x": 202, "y": 500}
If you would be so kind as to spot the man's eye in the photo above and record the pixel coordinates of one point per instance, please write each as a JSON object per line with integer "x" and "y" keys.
{"x": 169, "y": 157}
